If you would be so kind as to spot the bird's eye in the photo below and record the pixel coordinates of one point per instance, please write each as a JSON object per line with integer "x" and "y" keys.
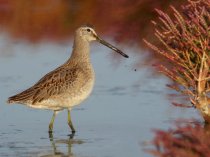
{"x": 88, "y": 30}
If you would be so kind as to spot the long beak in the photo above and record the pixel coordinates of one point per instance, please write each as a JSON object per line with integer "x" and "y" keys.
{"x": 110, "y": 46}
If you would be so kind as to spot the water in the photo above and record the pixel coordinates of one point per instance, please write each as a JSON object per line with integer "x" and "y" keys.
{"x": 115, "y": 120}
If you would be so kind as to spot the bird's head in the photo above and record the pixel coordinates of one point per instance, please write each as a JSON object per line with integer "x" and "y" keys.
{"x": 87, "y": 33}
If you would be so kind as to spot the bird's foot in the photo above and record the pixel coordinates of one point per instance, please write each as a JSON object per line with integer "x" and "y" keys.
{"x": 71, "y": 136}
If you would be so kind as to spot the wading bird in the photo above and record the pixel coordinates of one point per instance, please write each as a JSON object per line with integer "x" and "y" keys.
{"x": 69, "y": 84}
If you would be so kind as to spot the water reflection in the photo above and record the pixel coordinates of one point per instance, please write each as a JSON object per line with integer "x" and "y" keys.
{"x": 56, "y": 143}
{"x": 187, "y": 137}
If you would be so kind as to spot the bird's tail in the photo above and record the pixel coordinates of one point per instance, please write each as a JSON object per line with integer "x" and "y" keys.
{"x": 10, "y": 100}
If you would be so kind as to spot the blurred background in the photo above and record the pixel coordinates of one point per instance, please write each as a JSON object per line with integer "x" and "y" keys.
{"x": 56, "y": 20}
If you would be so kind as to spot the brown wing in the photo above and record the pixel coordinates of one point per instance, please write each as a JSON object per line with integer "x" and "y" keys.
{"x": 53, "y": 83}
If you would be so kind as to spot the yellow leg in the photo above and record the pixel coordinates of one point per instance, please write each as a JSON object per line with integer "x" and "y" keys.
{"x": 70, "y": 122}
{"x": 52, "y": 122}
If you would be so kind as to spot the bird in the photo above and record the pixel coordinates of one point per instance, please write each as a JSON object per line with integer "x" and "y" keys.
{"x": 69, "y": 84}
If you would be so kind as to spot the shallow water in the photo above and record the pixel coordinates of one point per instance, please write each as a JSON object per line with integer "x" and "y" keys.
{"x": 126, "y": 104}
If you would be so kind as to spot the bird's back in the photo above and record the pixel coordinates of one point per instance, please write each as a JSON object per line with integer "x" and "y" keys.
{"x": 63, "y": 87}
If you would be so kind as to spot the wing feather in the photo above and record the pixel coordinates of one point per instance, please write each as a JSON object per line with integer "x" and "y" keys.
{"x": 53, "y": 83}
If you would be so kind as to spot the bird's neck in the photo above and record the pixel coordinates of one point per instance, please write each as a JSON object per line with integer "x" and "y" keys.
{"x": 81, "y": 51}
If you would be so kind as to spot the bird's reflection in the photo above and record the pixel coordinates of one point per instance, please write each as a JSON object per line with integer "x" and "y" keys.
{"x": 55, "y": 143}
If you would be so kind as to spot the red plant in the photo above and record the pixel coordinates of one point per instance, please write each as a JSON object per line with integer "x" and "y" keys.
{"x": 186, "y": 49}
{"x": 190, "y": 140}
